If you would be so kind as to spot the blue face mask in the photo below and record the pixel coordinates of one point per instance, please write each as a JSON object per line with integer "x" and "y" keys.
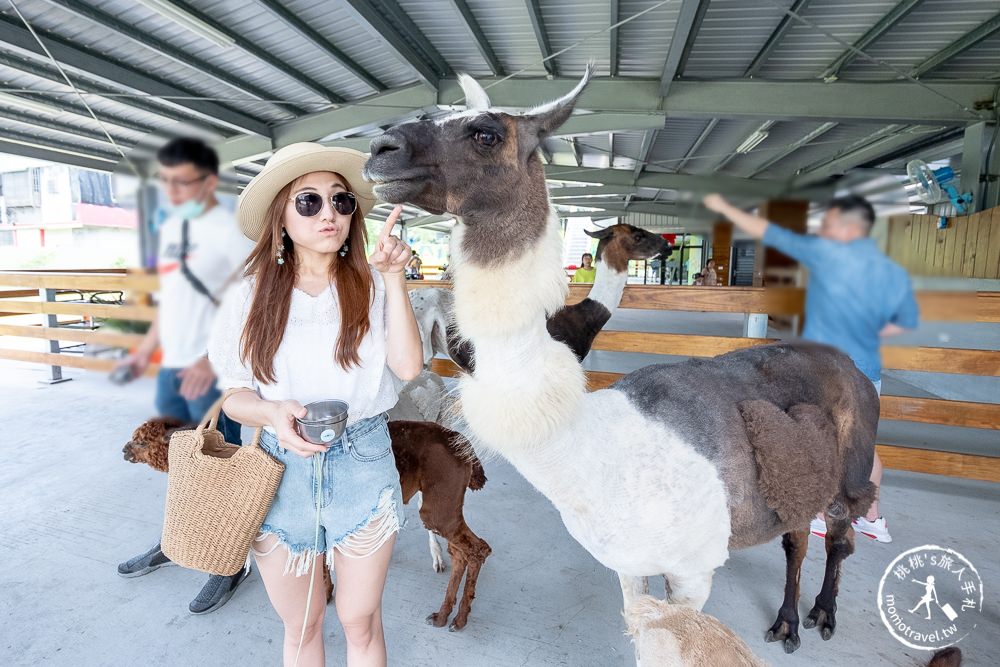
{"x": 189, "y": 210}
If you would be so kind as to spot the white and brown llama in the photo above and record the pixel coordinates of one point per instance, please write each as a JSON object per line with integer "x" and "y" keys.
{"x": 668, "y": 469}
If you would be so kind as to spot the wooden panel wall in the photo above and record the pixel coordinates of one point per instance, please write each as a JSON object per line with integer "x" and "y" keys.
{"x": 968, "y": 248}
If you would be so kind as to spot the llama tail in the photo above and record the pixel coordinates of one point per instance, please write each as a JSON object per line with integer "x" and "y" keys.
{"x": 462, "y": 449}
{"x": 478, "y": 479}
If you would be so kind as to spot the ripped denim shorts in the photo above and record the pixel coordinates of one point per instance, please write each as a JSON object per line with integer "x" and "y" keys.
{"x": 346, "y": 499}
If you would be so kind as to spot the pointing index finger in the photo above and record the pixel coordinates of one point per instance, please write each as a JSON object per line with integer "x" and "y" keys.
{"x": 390, "y": 222}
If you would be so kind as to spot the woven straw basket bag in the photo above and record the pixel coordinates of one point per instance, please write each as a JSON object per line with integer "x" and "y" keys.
{"x": 217, "y": 497}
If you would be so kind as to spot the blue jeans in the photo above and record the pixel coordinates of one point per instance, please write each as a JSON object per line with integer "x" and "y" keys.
{"x": 169, "y": 403}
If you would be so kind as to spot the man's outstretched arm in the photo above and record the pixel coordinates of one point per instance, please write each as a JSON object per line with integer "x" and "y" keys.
{"x": 753, "y": 225}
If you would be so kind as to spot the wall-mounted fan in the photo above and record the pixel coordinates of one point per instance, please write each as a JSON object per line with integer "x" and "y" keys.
{"x": 935, "y": 185}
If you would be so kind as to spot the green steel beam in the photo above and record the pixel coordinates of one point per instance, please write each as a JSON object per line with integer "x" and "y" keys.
{"x": 479, "y": 38}
{"x": 882, "y": 26}
{"x": 689, "y": 19}
{"x": 262, "y": 54}
{"x": 370, "y": 16}
{"x": 541, "y": 36}
{"x": 311, "y": 34}
{"x": 775, "y": 38}
{"x": 14, "y": 35}
{"x": 966, "y": 41}
{"x": 167, "y": 50}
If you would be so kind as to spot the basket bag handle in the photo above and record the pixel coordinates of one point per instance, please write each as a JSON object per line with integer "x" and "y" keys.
{"x": 211, "y": 418}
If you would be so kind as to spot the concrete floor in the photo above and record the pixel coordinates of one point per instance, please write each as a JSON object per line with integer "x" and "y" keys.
{"x": 72, "y": 509}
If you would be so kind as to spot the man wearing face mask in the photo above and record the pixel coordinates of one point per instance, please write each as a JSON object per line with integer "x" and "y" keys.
{"x": 201, "y": 250}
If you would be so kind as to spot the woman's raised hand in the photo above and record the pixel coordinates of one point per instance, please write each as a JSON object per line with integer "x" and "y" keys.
{"x": 391, "y": 254}
{"x": 283, "y": 422}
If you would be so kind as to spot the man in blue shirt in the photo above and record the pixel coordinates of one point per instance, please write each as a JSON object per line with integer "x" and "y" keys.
{"x": 856, "y": 296}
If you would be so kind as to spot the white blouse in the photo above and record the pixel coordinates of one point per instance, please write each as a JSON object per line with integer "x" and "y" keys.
{"x": 305, "y": 368}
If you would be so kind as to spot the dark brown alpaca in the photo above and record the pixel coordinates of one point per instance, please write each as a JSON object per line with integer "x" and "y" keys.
{"x": 437, "y": 462}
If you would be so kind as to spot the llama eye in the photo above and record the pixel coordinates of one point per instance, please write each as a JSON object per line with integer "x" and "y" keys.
{"x": 486, "y": 138}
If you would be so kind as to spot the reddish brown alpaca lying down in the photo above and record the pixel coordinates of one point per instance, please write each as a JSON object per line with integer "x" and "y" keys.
{"x": 437, "y": 462}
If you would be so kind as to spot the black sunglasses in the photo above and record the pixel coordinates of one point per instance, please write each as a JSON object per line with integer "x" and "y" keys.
{"x": 308, "y": 204}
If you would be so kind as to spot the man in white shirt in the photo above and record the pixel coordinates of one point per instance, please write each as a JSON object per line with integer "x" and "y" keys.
{"x": 201, "y": 251}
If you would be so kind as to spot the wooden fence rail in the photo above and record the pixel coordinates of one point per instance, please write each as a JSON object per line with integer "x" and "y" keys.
{"x": 944, "y": 306}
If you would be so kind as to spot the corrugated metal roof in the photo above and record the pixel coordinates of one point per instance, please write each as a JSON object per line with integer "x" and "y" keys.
{"x": 569, "y": 22}
{"x": 508, "y": 27}
{"x": 643, "y": 43}
{"x": 804, "y": 52}
{"x": 982, "y": 61}
{"x": 730, "y": 36}
{"x": 933, "y": 25}
{"x": 442, "y": 24}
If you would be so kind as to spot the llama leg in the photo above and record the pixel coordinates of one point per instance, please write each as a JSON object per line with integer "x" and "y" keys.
{"x": 437, "y": 556}
{"x": 632, "y": 588}
{"x": 477, "y": 551}
{"x": 786, "y": 627}
{"x": 839, "y": 545}
{"x": 690, "y": 590}
{"x": 458, "y": 565}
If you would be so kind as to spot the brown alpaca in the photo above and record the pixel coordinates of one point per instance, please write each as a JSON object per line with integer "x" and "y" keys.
{"x": 431, "y": 459}
{"x": 671, "y": 635}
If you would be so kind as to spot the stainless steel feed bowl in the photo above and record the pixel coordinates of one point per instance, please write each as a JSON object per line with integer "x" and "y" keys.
{"x": 324, "y": 422}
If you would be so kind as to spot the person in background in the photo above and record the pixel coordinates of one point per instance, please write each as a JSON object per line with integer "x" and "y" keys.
{"x": 856, "y": 296}
{"x": 413, "y": 266}
{"x": 587, "y": 272}
{"x": 201, "y": 251}
{"x": 708, "y": 276}
{"x": 699, "y": 279}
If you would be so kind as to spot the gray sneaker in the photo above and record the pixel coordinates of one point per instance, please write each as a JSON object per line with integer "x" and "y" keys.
{"x": 217, "y": 591}
{"x": 145, "y": 563}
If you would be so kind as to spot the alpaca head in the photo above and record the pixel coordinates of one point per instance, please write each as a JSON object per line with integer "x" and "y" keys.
{"x": 480, "y": 164}
{"x": 150, "y": 442}
{"x": 620, "y": 243}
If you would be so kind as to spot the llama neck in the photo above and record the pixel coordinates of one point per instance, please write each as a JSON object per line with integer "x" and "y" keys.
{"x": 526, "y": 386}
{"x": 609, "y": 285}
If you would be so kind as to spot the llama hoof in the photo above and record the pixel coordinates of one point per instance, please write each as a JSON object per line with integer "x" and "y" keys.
{"x": 456, "y": 626}
{"x": 439, "y": 565}
{"x": 822, "y": 619}
{"x": 782, "y": 631}
{"x": 437, "y": 619}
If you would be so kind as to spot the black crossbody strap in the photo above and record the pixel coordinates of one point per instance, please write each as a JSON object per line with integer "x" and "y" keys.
{"x": 186, "y": 270}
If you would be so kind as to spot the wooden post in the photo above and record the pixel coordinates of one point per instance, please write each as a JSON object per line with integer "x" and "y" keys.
{"x": 722, "y": 248}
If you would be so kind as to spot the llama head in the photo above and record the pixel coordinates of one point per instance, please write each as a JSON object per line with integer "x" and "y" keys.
{"x": 620, "y": 243}
{"x": 480, "y": 164}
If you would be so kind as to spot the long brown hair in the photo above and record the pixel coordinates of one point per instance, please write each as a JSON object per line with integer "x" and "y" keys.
{"x": 272, "y": 296}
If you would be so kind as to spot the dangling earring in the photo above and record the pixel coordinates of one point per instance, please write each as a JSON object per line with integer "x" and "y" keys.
{"x": 346, "y": 247}
{"x": 280, "y": 254}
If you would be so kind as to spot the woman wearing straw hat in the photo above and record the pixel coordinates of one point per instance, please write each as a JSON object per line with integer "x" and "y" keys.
{"x": 313, "y": 319}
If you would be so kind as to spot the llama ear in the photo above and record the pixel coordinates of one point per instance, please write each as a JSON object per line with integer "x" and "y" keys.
{"x": 476, "y": 98}
{"x": 600, "y": 233}
{"x": 538, "y": 123}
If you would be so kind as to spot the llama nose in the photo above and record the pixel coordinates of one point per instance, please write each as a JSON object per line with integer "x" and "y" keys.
{"x": 385, "y": 143}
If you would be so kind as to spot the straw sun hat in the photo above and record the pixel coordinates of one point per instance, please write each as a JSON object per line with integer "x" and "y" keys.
{"x": 289, "y": 163}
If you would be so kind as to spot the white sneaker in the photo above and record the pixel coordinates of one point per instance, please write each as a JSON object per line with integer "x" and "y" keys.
{"x": 818, "y": 527}
{"x": 876, "y": 530}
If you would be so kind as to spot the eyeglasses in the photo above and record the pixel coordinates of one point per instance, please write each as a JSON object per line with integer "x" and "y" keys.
{"x": 308, "y": 204}
{"x": 178, "y": 183}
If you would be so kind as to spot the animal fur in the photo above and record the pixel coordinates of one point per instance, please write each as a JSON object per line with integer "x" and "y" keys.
{"x": 659, "y": 474}
{"x": 670, "y": 635}
{"x": 435, "y": 461}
